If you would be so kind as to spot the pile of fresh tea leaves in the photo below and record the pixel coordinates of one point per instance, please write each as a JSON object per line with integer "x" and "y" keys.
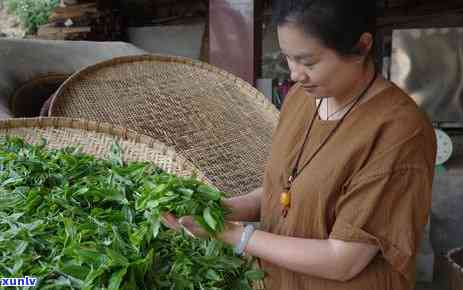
{"x": 77, "y": 222}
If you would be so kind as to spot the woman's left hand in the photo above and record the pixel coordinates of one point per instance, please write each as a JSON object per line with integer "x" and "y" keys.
{"x": 186, "y": 223}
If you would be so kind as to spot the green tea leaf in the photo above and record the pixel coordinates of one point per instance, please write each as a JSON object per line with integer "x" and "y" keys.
{"x": 209, "y": 192}
{"x": 116, "y": 259}
{"x": 209, "y": 219}
{"x": 78, "y": 222}
{"x": 255, "y": 275}
{"x": 212, "y": 275}
{"x": 116, "y": 279}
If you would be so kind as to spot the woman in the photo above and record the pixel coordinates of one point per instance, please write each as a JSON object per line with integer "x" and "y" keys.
{"x": 347, "y": 188}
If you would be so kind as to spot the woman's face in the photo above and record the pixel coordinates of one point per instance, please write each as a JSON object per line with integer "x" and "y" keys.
{"x": 322, "y": 72}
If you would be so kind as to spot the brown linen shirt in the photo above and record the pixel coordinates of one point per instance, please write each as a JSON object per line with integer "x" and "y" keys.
{"x": 370, "y": 183}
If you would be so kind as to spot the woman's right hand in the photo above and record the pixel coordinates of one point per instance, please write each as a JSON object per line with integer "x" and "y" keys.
{"x": 245, "y": 207}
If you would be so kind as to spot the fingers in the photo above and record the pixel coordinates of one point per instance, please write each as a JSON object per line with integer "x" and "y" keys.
{"x": 184, "y": 223}
{"x": 170, "y": 221}
{"x": 187, "y": 223}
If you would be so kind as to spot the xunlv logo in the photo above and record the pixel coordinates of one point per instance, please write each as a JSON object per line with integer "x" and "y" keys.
{"x": 13, "y": 282}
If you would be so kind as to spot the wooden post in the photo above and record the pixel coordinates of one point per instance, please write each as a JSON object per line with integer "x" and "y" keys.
{"x": 235, "y": 37}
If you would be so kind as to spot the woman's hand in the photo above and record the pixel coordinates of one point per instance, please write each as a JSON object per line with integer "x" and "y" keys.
{"x": 186, "y": 223}
{"x": 244, "y": 207}
{"x": 230, "y": 235}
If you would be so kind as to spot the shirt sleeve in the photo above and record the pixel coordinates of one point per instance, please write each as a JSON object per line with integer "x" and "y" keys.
{"x": 389, "y": 209}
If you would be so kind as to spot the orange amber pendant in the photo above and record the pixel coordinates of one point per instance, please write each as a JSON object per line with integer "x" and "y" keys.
{"x": 285, "y": 198}
{"x": 285, "y": 201}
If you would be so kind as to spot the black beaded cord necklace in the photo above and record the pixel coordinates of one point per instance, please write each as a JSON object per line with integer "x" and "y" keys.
{"x": 328, "y": 116}
{"x": 285, "y": 196}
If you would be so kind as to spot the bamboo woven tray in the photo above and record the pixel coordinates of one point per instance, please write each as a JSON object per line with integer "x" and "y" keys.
{"x": 96, "y": 139}
{"x": 455, "y": 263}
{"x": 216, "y": 120}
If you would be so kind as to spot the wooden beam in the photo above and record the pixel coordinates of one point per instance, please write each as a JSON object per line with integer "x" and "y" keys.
{"x": 84, "y": 6}
{"x": 420, "y": 9}
{"x": 432, "y": 20}
{"x": 48, "y": 31}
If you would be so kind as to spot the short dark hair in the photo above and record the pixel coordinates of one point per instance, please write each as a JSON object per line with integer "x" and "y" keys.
{"x": 338, "y": 24}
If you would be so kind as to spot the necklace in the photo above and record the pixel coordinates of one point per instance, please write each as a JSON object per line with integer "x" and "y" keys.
{"x": 285, "y": 196}
{"x": 328, "y": 116}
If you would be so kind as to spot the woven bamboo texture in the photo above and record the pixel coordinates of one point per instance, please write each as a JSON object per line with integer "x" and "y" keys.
{"x": 96, "y": 139}
{"x": 217, "y": 121}
{"x": 455, "y": 264}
